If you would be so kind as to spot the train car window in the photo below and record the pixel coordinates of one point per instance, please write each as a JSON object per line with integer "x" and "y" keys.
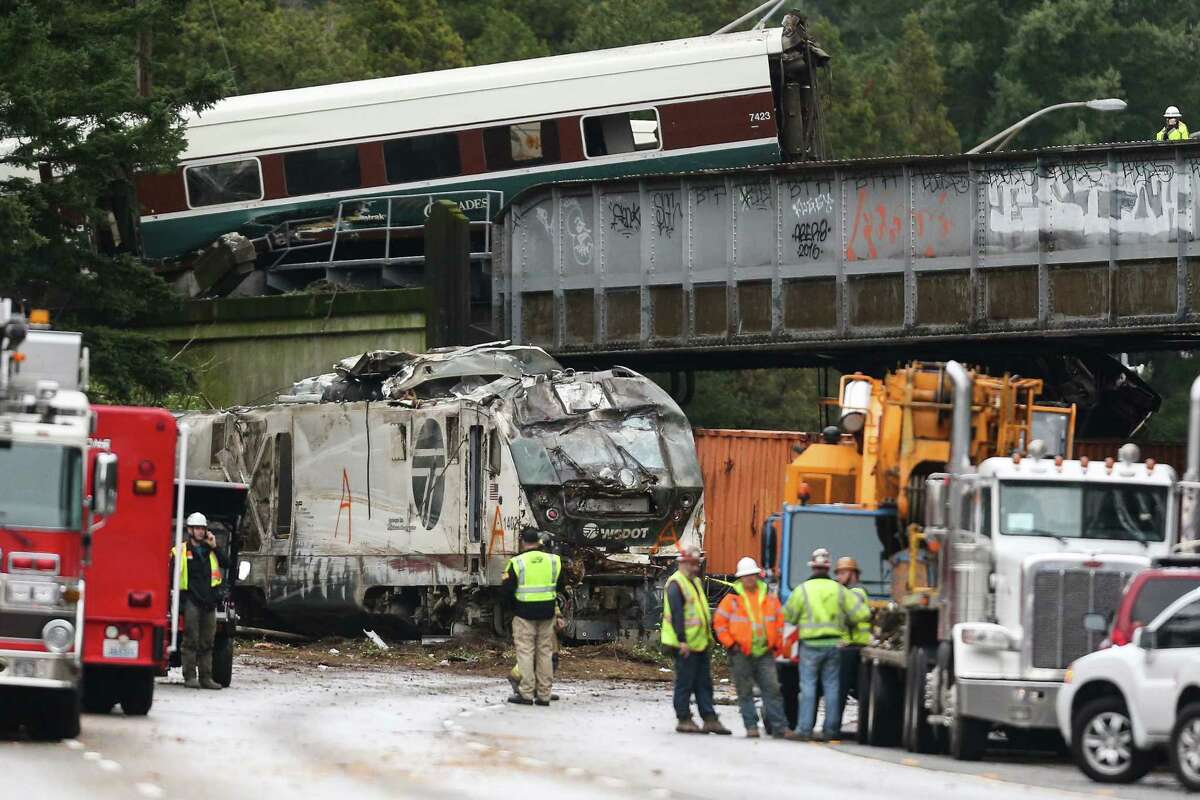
{"x": 521, "y": 145}
{"x": 283, "y": 485}
{"x": 329, "y": 169}
{"x": 625, "y": 132}
{"x": 422, "y": 158}
{"x": 227, "y": 182}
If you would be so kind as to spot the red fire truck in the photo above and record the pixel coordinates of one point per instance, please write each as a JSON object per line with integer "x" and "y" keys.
{"x": 126, "y": 624}
{"x": 47, "y": 519}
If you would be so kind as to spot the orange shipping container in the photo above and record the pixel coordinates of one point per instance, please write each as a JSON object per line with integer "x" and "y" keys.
{"x": 743, "y": 484}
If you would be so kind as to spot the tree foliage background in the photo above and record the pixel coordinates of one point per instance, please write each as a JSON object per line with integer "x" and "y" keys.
{"x": 908, "y": 76}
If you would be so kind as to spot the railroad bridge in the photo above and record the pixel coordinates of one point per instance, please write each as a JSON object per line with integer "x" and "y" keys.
{"x": 1063, "y": 249}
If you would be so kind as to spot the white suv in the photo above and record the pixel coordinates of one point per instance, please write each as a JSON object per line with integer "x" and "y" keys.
{"x": 1121, "y": 704}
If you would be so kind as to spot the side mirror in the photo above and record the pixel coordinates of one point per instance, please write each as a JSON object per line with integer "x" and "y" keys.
{"x": 1095, "y": 623}
{"x": 104, "y": 485}
{"x": 1145, "y": 639}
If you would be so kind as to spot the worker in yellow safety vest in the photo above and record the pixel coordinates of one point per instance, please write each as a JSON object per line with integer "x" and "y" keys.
{"x": 199, "y": 562}
{"x": 858, "y": 635}
{"x": 533, "y": 579}
{"x": 514, "y": 675}
{"x": 824, "y": 611}
{"x": 1173, "y": 129}
{"x": 687, "y": 632}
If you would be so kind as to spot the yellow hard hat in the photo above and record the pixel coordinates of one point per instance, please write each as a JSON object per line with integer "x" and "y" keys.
{"x": 846, "y": 562}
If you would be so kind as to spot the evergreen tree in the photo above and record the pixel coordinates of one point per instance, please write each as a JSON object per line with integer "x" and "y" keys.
{"x": 76, "y": 129}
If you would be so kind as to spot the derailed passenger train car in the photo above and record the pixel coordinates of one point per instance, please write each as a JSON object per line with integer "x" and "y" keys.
{"x": 398, "y": 486}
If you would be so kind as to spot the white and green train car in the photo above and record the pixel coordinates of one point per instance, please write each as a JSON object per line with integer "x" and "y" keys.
{"x": 289, "y": 169}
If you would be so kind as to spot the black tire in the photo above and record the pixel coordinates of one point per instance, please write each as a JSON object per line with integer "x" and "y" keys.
{"x": 1102, "y": 742}
{"x": 98, "y": 695}
{"x": 137, "y": 692}
{"x": 886, "y": 712}
{"x": 222, "y": 660}
{"x": 865, "y": 671}
{"x": 56, "y": 716}
{"x": 968, "y": 735}
{"x": 968, "y": 738}
{"x": 919, "y": 735}
{"x": 1185, "y": 747}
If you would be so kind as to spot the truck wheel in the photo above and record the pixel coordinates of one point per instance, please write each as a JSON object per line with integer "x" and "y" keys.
{"x": 968, "y": 736}
{"x": 919, "y": 735}
{"x": 223, "y": 660}
{"x": 1185, "y": 747}
{"x": 57, "y": 717}
{"x": 865, "y": 671}
{"x": 883, "y": 726}
{"x": 137, "y": 693}
{"x": 98, "y": 695}
{"x": 1102, "y": 743}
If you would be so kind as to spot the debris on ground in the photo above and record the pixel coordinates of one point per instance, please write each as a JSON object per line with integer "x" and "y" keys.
{"x": 376, "y": 639}
{"x": 473, "y": 654}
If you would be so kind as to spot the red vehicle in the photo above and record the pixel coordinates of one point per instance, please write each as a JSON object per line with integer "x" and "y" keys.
{"x": 126, "y": 622}
{"x": 47, "y": 521}
{"x": 1150, "y": 592}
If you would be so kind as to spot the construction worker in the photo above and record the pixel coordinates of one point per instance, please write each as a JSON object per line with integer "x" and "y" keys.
{"x": 823, "y": 610}
{"x": 199, "y": 562}
{"x": 687, "y": 632}
{"x": 857, "y": 636}
{"x": 1173, "y": 128}
{"x": 749, "y": 625}
{"x": 534, "y": 579}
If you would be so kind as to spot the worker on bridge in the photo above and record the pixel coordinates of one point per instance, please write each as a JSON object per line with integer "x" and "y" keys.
{"x": 1173, "y": 128}
{"x": 749, "y": 625}
{"x": 687, "y": 631}
{"x": 857, "y": 636}
{"x": 824, "y": 611}
{"x": 534, "y": 578}
{"x": 200, "y": 564}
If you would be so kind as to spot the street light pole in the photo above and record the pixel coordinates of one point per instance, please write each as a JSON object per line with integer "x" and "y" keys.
{"x": 1004, "y": 136}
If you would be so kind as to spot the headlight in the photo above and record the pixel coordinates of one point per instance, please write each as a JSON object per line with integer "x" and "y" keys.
{"x": 627, "y": 478}
{"x": 989, "y": 638}
{"x": 58, "y": 635}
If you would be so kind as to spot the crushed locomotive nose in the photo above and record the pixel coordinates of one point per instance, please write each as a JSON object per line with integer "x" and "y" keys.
{"x": 396, "y": 488}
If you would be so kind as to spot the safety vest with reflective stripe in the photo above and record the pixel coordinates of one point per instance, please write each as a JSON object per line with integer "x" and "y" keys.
{"x": 697, "y": 624}
{"x": 824, "y": 609}
{"x": 737, "y": 620}
{"x": 537, "y": 576}
{"x": 1180, "y": 131}
{"x": 213, "y": 565}
{"x": 860, "y": 632}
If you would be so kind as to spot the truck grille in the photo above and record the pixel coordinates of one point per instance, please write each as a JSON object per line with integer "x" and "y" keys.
{"x": 1061, "y": 599}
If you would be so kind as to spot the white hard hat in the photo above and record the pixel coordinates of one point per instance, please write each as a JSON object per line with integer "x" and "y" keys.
{"x": 690, "y": 553}
{"x": 1172, "y": 112}
{"x": 820, "y": 558}
{"x": 197, "y": 520}
{"x": 747, "y": 566}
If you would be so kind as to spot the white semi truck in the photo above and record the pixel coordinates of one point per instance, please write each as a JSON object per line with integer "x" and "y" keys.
{"x": 1024, "y": 548}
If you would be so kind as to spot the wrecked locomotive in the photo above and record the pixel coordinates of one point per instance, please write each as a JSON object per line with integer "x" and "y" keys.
{"x": 397, "y": 487}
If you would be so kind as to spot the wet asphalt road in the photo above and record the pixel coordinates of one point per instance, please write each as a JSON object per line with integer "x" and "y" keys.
{"x": 363, "y": 734}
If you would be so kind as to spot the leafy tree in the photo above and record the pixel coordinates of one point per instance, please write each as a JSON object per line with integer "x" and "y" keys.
{"x": 616, "y": 23}
{"x": 70, "y": 108}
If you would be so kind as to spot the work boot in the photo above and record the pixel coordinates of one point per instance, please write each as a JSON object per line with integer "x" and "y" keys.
{"x": 191, "y": 682}
{"x": 688, "y": 726}
{"x": 790, "y": 736}
{"x": 541, "y": 702}
{"x": 520, "y": 701}
{"x": 820, "y": 736}
{"x": 713, "y": 725}
{"x": 208, "y": 683}
{"x": 752, "y": 733}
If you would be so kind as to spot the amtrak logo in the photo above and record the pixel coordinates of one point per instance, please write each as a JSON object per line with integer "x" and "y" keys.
{"x": 429, "y": 473}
